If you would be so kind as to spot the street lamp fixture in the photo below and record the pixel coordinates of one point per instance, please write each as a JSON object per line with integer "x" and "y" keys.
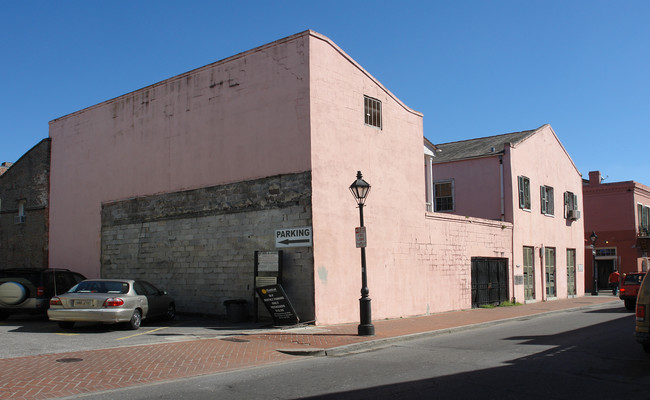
{"x": 594, "y": 289}
{"x": 360, "y": 190}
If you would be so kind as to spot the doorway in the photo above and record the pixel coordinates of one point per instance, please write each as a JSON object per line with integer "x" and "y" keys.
{"x": 605, "y": 267}
{"x": 529, "y": 273}
{"x": 489, "y": 281}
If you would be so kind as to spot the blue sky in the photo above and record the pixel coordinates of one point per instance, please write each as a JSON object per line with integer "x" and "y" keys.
{"x": 473, "y": 68}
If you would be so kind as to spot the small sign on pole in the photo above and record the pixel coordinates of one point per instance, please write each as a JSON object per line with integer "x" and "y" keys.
{"x": 360, "y": 235}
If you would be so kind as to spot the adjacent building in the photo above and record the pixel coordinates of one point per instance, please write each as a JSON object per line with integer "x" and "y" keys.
{"x": 526, "y": 179}
{"x": 185, "y": 181}
{"x": 4, "y": 167}
{"x": 619, "y": 214}
{"x": 24, "y": 210}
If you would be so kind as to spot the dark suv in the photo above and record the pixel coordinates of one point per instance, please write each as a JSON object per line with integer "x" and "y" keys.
{"x": 30, "y": 290}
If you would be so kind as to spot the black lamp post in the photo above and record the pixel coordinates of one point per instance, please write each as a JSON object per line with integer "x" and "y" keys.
{"x": 594, "y": 289}
{"x": 360, "y": 190}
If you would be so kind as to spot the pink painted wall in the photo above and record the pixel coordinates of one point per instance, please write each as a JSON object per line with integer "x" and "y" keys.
{"x": 416, "y": 262}
{"x": 543, "y": 159}
{"x": 290, "y": 106}
{"x": 241, "y": 118}
{"x": 477, "y": 186}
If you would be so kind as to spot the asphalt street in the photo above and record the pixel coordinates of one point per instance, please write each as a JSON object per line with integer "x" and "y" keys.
{"x": 586, "y": 353}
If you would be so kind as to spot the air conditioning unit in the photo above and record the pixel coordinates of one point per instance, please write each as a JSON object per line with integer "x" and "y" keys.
{"x": 19, "y": 219}
{"x": 574, "y": 214}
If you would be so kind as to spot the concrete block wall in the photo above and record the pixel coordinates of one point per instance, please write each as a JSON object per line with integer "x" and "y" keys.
{"x": 447, "y": 256}
{"x": 200, "y": 244}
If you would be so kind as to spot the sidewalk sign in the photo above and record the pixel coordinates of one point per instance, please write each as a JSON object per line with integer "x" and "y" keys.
{"x": 277, "y": 303}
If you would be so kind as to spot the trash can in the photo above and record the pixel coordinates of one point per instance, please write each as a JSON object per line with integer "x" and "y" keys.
{"x": 236, "y": 310}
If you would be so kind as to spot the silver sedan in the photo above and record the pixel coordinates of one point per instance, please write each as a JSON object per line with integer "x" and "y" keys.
{"x": 111, "y": 301}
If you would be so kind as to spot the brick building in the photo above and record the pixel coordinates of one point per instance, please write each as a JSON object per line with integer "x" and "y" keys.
{"x": 24, "y": 210}
{"x": 4, "y": 167}
{"x": 619, "y": 214}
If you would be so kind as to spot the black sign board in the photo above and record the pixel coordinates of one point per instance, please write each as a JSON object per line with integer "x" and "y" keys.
{"x": 277, "y": 303}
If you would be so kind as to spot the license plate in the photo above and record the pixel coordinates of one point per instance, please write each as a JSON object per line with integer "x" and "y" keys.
{"x": 83, "y": 303}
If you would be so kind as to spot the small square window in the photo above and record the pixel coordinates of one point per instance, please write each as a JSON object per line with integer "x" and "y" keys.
{"x": 372, "y": 111}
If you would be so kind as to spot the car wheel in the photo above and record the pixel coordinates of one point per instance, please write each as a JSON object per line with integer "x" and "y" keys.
{"x": 136, "y": 320}
{"x": 171, "y": 312}
{"x": 66, "y": 324}
{"x": 629, "y": 304}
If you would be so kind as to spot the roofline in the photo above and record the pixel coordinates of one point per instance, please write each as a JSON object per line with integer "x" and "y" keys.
{"x": 47, "y": 139}
{"x": 366, "y": 73}
{"x": 492, "y": 136}
{"x": 561, "y": 146}
{"x": 430, "y": 143}
{"x": 513, "y": 145}
{"x": 237, "y": 56}
{"x": 616, "y": 186}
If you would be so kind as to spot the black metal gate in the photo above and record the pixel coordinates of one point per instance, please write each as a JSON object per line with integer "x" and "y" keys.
{"x": 489, "y": 281}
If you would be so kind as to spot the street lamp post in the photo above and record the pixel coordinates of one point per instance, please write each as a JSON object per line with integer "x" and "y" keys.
{"x": 360, "y": 190}
{"x": 594, "y": 289}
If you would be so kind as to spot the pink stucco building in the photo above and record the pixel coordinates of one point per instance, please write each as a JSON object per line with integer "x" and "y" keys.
{"x": 183, "y": 181}
{"x": 526, "y": 179}
{"x": 619, "y": 214}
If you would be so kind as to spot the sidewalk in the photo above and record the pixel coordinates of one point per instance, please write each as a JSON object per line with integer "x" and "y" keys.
{"x": 59, "y": 375}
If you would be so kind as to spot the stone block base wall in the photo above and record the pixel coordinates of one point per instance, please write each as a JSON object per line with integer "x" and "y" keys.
{"x": 200, "y": 245}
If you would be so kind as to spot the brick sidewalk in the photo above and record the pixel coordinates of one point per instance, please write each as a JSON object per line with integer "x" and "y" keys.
{"x": 59, "y": 375}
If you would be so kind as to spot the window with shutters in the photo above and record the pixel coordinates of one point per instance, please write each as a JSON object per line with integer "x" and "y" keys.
{"x": 524, "y": 192}
{"x": 570, "y": 205}
{"x": 546, "y": 199}
{"x": 643, "y": 214}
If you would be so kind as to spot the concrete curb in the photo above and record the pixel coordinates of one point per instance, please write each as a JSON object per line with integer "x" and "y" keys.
{"x": 315, "y": 352}
{"x": 384, "y": 342}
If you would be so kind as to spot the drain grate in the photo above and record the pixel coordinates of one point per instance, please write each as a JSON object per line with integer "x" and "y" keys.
{"x": 69, "y": 360}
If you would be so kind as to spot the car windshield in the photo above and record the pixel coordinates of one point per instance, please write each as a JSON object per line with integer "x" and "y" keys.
{"x": 633, "y": 279}
{"x": 100, "y": 287}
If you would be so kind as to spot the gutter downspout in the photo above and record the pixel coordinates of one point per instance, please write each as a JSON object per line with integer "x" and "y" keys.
{"x": 503, "y": 207}
{"x": 430, "y": 166}
{"x": 542, "y": 268}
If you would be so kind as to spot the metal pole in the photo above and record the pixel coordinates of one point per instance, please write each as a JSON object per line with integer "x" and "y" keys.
{"x": 594, "y": 290}
{"x": 366, "y": 328}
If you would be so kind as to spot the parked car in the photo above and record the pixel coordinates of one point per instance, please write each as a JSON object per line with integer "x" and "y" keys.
{"x": 25, "y": 290}
{"x": 642, "y": 330}
{"x": 111, "y": 301}
{"x": 629, "y": 288}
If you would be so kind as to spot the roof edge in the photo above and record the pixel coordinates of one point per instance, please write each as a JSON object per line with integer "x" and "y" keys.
{"x": 263, "y": 47}
{"x": 329, "y": 41}
{"x": 190, "y": 72}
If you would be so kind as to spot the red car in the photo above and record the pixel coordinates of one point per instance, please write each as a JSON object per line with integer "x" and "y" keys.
{"x": 630, "y": 284}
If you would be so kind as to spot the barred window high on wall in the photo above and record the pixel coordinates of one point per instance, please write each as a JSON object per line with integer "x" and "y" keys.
{"x": 372, "y": 111}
